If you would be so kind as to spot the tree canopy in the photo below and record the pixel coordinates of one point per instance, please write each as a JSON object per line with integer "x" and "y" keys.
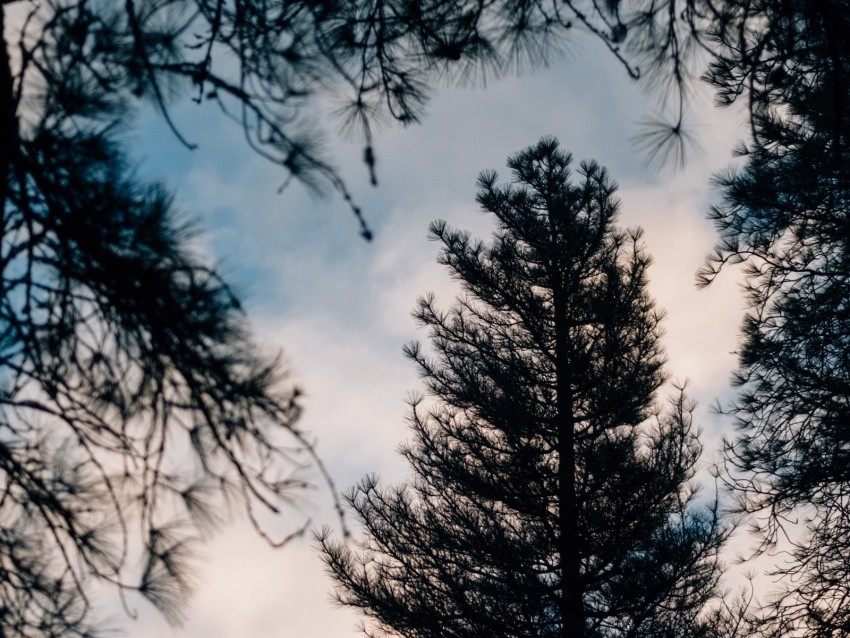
{"x": 784, "y": 213}
{"x": 542, "y": 502}
{"x": 290, "y": 72}
{"x": 133, "y": 403}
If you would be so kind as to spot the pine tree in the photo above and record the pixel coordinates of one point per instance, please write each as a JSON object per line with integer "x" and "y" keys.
{"x": 785, "y": 214}
{"x": 542, "y": 503}
{"x": 133, "y": 402}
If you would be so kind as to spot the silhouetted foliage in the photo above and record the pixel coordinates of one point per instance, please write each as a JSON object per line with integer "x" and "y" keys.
{"x": 543, "y": 502}
{"x": 758, "y": 52}
{"x": 288, "y": 72}
{"x": 133, "y": 405}
{"x": 785, "y": 214}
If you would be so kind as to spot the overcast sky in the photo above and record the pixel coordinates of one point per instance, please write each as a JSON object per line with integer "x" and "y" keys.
{"x": 339, "y": 307}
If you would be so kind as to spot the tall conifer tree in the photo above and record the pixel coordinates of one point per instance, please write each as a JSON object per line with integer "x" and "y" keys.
{"x": 543, "y": 502}
{"x": 785, "y": 213}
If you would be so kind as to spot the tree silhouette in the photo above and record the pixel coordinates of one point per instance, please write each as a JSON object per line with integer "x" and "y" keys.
{"x": 750, "y": 52}
{"x": 273, "y": 66}
{"x": 131, "y": 397}
{"x": 541, "y": 503}
{"x": 785, "y": 213}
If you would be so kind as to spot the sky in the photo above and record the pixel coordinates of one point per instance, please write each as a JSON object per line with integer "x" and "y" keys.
{"x": 339, "y": 307}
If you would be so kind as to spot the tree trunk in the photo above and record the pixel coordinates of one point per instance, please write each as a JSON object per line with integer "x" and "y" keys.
{"x": 572, "y": 608}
